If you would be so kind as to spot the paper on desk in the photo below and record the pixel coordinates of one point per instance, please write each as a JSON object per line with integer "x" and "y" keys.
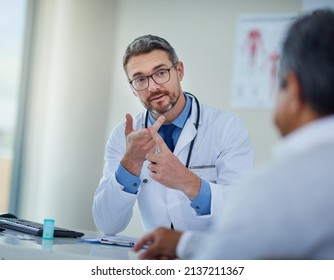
{"x": 112, "y": 240}
{"x": 21, "y": 236}
{"x": 25, "y": 237}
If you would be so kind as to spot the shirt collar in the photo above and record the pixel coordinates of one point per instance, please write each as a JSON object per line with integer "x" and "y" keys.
{"x": 182, "y": 118}
{"x": 306, "y": 137}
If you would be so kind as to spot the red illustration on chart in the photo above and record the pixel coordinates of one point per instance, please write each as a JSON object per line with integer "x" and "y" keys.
{"x": 273, "y": 59}
{"x": 253, "y": 44}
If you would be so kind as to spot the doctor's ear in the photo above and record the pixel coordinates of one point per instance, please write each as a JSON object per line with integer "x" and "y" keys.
{"x": 180, "y": 70}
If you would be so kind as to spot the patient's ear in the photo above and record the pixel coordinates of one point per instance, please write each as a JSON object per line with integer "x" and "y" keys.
{"x": 295, "y": 93}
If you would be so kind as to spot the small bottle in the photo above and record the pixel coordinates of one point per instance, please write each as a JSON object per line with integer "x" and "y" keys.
{"x": 48, "y": 229}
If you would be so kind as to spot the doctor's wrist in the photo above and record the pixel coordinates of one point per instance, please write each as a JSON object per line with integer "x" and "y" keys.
{"x": 192, "y": 185}
{"x": 134, "y": 167}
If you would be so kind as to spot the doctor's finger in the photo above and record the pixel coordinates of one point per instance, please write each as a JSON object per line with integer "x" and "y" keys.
{"x": 161, "y": 145}
{"x": 141, "y": 134}
{"x": 128, "y": 124}
{"x": 135, "y": 134}
{"x": 159, "y": 122}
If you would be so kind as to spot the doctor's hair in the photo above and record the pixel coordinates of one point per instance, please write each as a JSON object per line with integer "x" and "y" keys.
{"x": 308, "y": 52}
{"x": 147, "y": 43}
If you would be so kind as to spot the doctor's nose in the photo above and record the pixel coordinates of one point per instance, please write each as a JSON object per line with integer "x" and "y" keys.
{"x": 152, "y": 85}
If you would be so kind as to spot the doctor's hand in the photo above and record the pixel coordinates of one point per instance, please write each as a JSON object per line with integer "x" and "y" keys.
{"x": 169, "y": 171}
{"x": 138, "y": 144}
{"x": 161, "y": 244}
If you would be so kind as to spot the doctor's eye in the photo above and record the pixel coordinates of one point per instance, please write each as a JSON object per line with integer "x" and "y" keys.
{"x": 140, "y": 80}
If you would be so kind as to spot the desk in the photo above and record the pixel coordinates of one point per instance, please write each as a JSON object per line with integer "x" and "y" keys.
{"x": 14, "y": 248}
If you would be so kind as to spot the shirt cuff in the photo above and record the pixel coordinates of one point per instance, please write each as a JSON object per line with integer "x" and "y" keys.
{"x": 130, "y": 182}
{"x": 202, "y": 202}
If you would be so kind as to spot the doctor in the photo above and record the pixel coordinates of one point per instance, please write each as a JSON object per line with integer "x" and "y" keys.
{"x": 183, "y": 182}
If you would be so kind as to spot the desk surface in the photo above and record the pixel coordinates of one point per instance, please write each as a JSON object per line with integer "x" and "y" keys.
{"x": 13, "y": 247}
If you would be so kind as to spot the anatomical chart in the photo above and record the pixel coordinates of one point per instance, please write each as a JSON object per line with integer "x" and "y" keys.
{"x": 257, "y": 54}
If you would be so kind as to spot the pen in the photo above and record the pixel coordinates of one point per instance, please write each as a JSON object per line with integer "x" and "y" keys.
{"x": 118, "y": 242}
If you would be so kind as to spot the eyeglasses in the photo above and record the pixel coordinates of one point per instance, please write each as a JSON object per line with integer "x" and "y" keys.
{"x": 160, "y": 77}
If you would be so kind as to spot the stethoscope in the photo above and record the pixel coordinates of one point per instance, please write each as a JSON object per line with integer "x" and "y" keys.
{"x": 196, "y": 126}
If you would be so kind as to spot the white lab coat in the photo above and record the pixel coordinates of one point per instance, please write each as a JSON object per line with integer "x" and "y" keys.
{"x": 222, "y": 141}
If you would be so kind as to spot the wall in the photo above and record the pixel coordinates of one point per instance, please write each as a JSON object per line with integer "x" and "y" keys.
{"x": 79, "y": 89}
{"x": 68, "y": 109}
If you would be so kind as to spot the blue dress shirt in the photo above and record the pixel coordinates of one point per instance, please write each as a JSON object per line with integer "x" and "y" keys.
{"x": 202, "y": 203}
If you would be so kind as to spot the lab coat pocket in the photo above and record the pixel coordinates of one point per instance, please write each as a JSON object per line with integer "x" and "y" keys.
{"x": 206, "y": 172}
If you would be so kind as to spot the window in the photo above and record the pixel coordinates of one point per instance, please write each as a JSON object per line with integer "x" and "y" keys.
{"x": 12, "y": 27}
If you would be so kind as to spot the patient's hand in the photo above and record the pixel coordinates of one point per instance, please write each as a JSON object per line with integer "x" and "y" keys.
{"x": 161, "y": 244}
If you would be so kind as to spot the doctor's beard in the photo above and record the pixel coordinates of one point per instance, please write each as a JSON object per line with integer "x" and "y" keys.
{"x": 174, "y": 97}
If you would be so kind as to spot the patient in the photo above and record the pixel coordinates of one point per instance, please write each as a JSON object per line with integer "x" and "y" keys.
{"x": 285, "y": 209}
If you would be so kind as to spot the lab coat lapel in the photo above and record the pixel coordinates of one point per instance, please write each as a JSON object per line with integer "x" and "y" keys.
{"x": 188, "y": 134}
